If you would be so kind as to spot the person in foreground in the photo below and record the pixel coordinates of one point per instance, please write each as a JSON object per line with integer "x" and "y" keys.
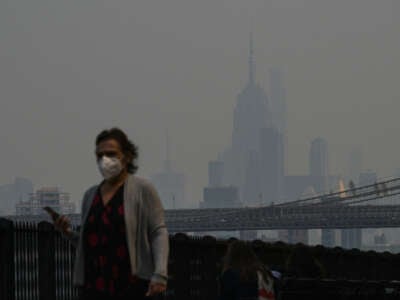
{"x": 122, "y": 245}
{"x": 244, "y": 277}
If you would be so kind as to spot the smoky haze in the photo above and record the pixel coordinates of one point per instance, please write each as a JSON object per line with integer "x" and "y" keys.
{"x": 72, "y": 68}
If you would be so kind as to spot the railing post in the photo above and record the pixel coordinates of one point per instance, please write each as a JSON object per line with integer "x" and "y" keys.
{"x": 7, "y": 279}
{"x": 209, "y": 273}
{"x": 46, "y": 249}
{"x": 181, "y": 269}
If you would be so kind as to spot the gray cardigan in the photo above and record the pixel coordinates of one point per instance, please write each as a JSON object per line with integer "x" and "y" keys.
{"x": 146, "y": 233}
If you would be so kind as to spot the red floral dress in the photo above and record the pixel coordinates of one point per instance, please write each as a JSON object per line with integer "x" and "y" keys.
{"x": 107, "y": 264}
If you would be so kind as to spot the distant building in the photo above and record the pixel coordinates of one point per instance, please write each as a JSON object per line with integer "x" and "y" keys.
{"x": 318, "y": 181}
{"x": 293, "y": 236}
{"x": 11, "y": 194}
{"x": 216, "y": 195}
{"x": 351, "y": 238}
{"x": 253, "y": 188}
{"x": 220, "y": 197}
{"x": 278, "y": 108}
{"x": 319, "y": 165}
{"x": 319, "y": 173}
{"x": 278, "y": 100}
{"x": 295, "y": 185}
{"x": 215, "y": 173}
{"x": 367, "y": 178}
{"x": 355, "y": 163}
{"x": 381, "y": 244}
{"x": 254, "y": 161}
{"x": 272, "y": 165}
{"x": 370, "y": 177}
{"x": 318, "y": 177}
{"x": 171, "y": 187}
{"x": 328, "y": 238}
{"x": 170, "y": 184}
{"x": 46, "y": 196}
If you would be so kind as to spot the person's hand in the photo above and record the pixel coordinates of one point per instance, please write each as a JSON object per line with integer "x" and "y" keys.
{"x": 155, "y": 288}
{"x": 63, "y": 224}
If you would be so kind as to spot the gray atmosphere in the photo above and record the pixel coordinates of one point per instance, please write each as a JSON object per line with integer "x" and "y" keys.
{"x": 72, "y": 68}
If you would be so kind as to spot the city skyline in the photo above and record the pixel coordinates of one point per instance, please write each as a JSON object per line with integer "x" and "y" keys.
{"x": 71, "y": 70}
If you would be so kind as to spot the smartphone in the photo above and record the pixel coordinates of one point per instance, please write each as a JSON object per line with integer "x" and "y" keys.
{"x": 53, "y": 214}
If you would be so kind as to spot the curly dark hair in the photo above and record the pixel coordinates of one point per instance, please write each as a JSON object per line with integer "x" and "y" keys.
{"x": 129, "y": 149}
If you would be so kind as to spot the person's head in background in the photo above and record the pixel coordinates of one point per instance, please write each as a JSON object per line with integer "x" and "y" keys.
{"x": 241, "y": 258}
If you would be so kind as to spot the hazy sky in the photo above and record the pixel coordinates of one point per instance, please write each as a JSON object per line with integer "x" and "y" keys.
{"x": 71, "y": 68}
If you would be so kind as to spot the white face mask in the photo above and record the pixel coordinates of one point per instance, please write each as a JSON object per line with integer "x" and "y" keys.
{"x": 109, "y": 167}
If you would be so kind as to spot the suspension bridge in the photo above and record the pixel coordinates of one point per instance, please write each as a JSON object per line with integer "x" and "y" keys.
{"x": 361, "y": 207}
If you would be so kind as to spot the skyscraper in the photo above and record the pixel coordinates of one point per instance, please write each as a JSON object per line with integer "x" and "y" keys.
{"x": 355, "y": 163}
{"x": 217, "y": 195}
{"x": 254, "y": 161}
{"x": 12, "y": 194}
{"x": 272, "y": 164}
{"x": 215, "y": 173}
{"x": 251, "y": 114}
{"x": 278, "y": 108}
{"x": 277, "y": 100}
{"x": 169, "y": 183}
{"x": 319, "y": 165}
{"x": 319, "y": 173}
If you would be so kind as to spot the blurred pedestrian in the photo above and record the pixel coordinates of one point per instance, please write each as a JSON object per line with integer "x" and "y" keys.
{"x": 244, "y": 277}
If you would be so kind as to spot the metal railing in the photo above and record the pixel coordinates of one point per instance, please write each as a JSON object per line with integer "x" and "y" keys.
{"x": 36, "y": 263}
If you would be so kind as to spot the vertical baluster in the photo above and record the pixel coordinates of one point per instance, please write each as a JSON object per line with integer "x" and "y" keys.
{"x": 68, "y": 270}
{"x": 56, "y": 267}
{"x": 46, "y": 248}
{"x": 182, "y": 275}
{"x": 36, "y": 247}
{"x": 59, "y": 268}
{"x": 36, "y": 263}
{"x": 71, "y": 256}
{"x": 17, "y": 228}
{"x": 63, "y": 278}
{"x": 208, "y": 267}
{"x": 7, "y": 282}
{"x": 28, "y": 260}
{"x": 23, "y": 261}
{"x": 31, "y": 262}
{"x": 19, "y": 263}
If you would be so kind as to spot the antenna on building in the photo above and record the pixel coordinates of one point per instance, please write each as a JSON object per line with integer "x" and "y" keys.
{"x": 251, "y": 60}
{"x": 167, "y": 161}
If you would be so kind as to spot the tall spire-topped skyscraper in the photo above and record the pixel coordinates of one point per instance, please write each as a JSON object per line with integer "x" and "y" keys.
{"x": 251, "y": 112}
{"x": 253, "y": 129}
